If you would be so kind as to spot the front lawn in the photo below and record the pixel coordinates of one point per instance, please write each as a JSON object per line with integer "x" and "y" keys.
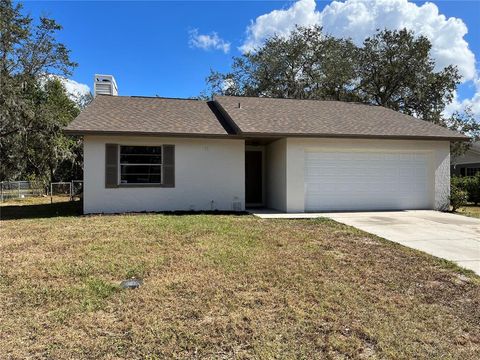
{"x": 223, "y": 286}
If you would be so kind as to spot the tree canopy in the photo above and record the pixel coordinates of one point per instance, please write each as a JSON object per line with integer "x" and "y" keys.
{"x": 34, "y": 105}
{"x": 392, "y": 68}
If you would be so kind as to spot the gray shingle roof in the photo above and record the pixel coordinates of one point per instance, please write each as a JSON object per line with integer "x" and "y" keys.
{"x": 326, "y": 118}
{"x": 124, "y": 114}
{"x": 249, "y": 116}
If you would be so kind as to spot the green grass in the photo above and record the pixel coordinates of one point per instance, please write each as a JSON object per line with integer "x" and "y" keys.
{"x": 218, "y": 286}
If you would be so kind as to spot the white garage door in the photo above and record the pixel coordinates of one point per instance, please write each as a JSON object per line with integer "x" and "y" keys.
{"x": 367, "y": 181}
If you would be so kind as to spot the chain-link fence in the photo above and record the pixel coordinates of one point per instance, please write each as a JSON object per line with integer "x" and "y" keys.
{"x": 21, "y": 189}
{"x": 63, "y": 191}
{"x": 77, "y": 189}
{"x": 59, "y": 190}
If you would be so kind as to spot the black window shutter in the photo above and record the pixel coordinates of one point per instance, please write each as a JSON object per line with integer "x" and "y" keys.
{"x": 111, "y": 165}
{"x": 169, "y": 165}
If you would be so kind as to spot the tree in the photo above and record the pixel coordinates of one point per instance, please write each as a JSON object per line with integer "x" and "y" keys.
{"x": 393, "y": 69}
{"x": 50, "y": 147}
{"x": 396, "y": 71}
{"x": 465, "y": 123}
{"x": 29, "y": 53}
{"x": 71, "y": 165}
{"x": 305, "y": 65}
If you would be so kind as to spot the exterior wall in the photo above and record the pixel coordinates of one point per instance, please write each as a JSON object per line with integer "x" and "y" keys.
{"x": 209, "y": 175}
{"x": 276, "y": 175}
{"x": 441, "y": 167}
{"x": 439, "y": 152}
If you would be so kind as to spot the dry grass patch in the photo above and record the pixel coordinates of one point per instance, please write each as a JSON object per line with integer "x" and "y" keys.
{"x": 226, "y": 287}
{"x": 470, "y": 210}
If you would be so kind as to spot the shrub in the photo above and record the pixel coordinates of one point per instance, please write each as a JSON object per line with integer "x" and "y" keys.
{"x": 470, "y": 184}
{"x": 458, "y": 197}
{"x": 473, "y": 188}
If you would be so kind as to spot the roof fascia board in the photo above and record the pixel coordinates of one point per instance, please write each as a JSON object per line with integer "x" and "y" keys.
{"x": 356, "y": 136}
{"x": 140, "y": 133}
{"x": 255, "y": 135}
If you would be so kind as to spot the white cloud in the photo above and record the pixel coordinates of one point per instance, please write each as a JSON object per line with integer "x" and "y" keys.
{"x": 75, "y": 89}
{"x": 358, "y": 19}
{"x": 473, "y": 103}
{"x": 228, "y": 84}
{"x": 208, "y": 41}
{"x": 280, "y": 22}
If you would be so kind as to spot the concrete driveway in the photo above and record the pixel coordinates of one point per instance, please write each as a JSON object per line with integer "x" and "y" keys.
{"x": 448, "y": 236}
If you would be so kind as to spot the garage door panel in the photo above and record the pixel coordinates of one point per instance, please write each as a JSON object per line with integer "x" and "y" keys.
{"x": 366, "y": 181}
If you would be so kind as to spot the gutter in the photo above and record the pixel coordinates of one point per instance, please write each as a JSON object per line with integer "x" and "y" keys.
{"x": 241, "y": 135}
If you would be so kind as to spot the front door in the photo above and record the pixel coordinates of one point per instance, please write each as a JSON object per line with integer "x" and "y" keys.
{"x": 253, "y": 178}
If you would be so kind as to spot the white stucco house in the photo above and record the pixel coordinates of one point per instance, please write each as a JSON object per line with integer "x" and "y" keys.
{"x": 160, "y": 154}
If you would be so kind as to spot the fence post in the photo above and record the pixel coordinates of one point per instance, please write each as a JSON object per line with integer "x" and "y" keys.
{"x": 51, "y": 193}
{"x": 71, "y": 190}
{"x": 18, "y": 189}
{"x": 1, "y": 190}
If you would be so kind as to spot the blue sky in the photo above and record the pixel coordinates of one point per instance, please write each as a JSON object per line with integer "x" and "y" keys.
{"x": 147, "y": 45}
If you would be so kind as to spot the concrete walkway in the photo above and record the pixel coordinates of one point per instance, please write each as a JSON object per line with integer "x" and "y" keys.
{"x": 449, "y": 236}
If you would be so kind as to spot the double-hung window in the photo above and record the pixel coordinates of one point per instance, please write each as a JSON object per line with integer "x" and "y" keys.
{"x": 141, "y": 164}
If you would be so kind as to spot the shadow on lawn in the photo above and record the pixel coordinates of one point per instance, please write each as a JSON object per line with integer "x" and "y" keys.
{"x": 74, "y": 208}
{"x": 37, "y": 211}
{"x": 179, "y": 213}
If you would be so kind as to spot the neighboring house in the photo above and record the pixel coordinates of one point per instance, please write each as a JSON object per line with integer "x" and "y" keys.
{"x": 469, "y": 163}
{"x": 158, "y": 154}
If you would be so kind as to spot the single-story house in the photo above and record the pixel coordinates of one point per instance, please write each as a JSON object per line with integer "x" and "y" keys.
{"x": 467, "y": 164}
{"x": 162, "y": 154}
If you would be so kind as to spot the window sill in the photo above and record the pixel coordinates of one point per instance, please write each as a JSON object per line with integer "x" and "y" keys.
{"x": 145, "y": 186}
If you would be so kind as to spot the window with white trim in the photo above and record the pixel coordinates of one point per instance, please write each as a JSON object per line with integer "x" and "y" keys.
{"x": 141, "y": 164}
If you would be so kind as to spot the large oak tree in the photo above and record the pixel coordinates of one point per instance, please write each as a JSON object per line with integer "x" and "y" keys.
{"x": 393, "y": 68}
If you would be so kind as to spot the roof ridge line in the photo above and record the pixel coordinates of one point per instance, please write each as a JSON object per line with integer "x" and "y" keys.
{"x": 150, "y": 97}
{"x": 280, "y": 98}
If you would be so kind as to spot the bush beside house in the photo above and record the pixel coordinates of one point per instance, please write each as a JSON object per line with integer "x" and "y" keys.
{"x": 458, "y": 198}
{"x": 465, "y": 189}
